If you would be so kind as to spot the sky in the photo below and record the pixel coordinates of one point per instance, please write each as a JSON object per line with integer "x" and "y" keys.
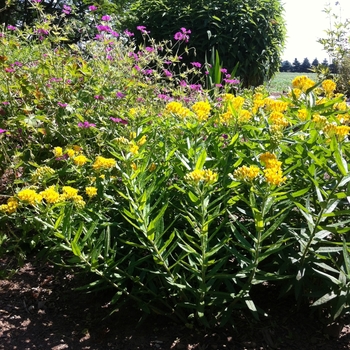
{"x": 306, "y": 22}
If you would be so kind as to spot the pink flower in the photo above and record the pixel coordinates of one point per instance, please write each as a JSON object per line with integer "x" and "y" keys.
{"x": 127, "y": 33}
{"x": 99, "y": 97}
{"x": 86, "y": 125}
{"x": 66, "y": 9}
{"x": 2, "y": 131}
{"x": 62, "y": 105}
{"x": 119, "y": 120}
{"x": 142, "y": 29}
{"x": 10, "y": 27}
{"x": 167, "y": 73}
{"x": 92, "y": 8}
{"x": 120, "y": 94}
{"x": 106, "y": 18}
{"x": 196, "y": 64}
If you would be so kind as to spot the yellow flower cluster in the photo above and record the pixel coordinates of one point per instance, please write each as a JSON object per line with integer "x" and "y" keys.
{"x": 278, "y": 119}
{"x": 91, "y": 191}
{"x": 329, "y": 86}
{"x": 178, "y": 109}
{"x": 202, "y": 110}
{"x": 273, "y": 170}
{"x": 341, "y": 106}
{"x": 70, "y": 193}
{"x": 58, "y": 152}
{"x": 205, "y": 175}
{"x": 80, "y": 160}
{"x": 246, "y": 174}
{"x": 302, "y": 82}
{"x": 235, "y": 101}
{"x": 50, "y": 195}
{"x": 303, "y": 114}
{"x": 70, "y": 152}
{"x": 10, "y": 207}
{"x": 319, "y": 120}
{"x": 29, "y": 196}
{"x": 276, "y": 105}
{"x": 102, "y": 163}
{"x": 340, "y": 131}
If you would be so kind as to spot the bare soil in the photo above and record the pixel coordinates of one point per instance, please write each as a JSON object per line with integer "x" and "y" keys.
{"x": 40, "y": 309}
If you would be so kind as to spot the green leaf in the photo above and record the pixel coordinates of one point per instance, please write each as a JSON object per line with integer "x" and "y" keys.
{"x": 324, "y": 299}
{"x": 75, "y": 249}
{"x": 341, "y": 163}
{"x": 201, "y": 160}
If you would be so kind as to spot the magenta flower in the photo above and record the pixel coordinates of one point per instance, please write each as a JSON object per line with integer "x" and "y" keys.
{"x": 142, "y": 29}
{"x": 127, "y": 33}
{"x": 92, "y": 8}
{"x": 120, "y": 94}
{"x": 232, "y": 81}
{"x": 196, "y": 87}
{"x": 99, "y": 97}
{"x": 2, "y": 131}
{"x": 106, "y": 18}
{"x": 223, "y": 70}
{"x": 86, "y": 125}
{"x": 62, "y": 105}
{"x": 167, "y": 73}
{"x": 119, "y": 120}
{"x": 137, "y": 68}
{"x": 102, "y": 28}
{"x": 196, "y": 64}
{"x": 149, "y": 49}
{"x": 183, "y": 35}
{"x": 10, "y": 27}
{"x": 9, "y": 70}
{"x": 66, "y": 9}
{"x": 183, "y": 83}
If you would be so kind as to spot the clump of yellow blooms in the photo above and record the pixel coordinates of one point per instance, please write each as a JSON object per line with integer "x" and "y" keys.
{"x": 276, "y": 105}
{"x": 29, "y": 196}
{"x": 319, "y": 120}
{"x": 329, "y": 86}
{"x": 235, "y": 101}
{"x": 177, "y": 108}
{"x": 341, "y": 106}
{"x": 121, "y": 140}
{"x": 80, "y": 160}
{"x": 202, "y": 110}
{"x": 302, "y": 82}
{"x": 340, "y": 131}
{"x": 244, "y": 116}
{"x": 246, "y": 174}
{"x": 58, "y": 152}
{"x": 303, "y": 114}
{"x": 70, "y": 152}
{"x": 278, "y": 119}
{"x": 91, "y": 191}
{"x": 10, "y": 207}
{"x": 102, "y": 163}
{"x": 204, "y": 175}
{"x": 70, "y": 193}
{"x": 134, "y": 149}
{"x": 50, "y": 195}
{"x": 273, "y": 170}
{"x": 296, "y": 92}
{"x": 330, "y": 129}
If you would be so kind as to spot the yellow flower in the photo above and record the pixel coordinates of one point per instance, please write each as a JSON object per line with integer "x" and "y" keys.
{"x": 277, "y": 118}
{"x": 80, "y": 160}
{"x": 202, "y": 110}
{"x": 91, "y": 191}
{"x": 296, "y": 92}
{"x": 244, "y": 116}
{"x": 303, "y": 114}
{"x": 342, "y": 131}
{"x": 70, "y": 152}
{"x": 205, "y": 175}
{"x": 152, "y": 167}
{"x": 226, "y": 117}
{"x": 274, "y": 176}
{"x": 50, "y": 195}
{"x": 29, "y": 196}
{"x": 134, "y": 149}
{"x": 319, "y": 120}
{"x": 142, "y": 140}
{"x": 134, "y": 166}
{"x": 246, "y": 174}
{"x": 329, "y": 86}
{"x": 42, "y": 172}
{"x": 10, "y": 207}
{"x": 342, "y": 106}
{"x": 330, "y": 129}
{"x": 69, "y": 192}
{"x": 268, "y": 158}
{"x": 58, "y": 152}
{"x": 302, "y": 82}
{"x": 103, "y": 163}
{"x": 177, "y": 108}
{"x": 276, "y": 105}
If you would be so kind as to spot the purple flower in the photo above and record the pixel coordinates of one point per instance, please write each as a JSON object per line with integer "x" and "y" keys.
{"x": 120, "y": 94}
{"x": 106, "y": 18}
{"x": 99, "y": 97}
{"x": 9, "y": 70}
{"x": 182, "y": 35}
{"x": 102, "y": 28}
{"x": 92, "y": 8}
{"x": 37, "y": 1}
{"x": 196, "y": 64}
{"x": 232, "y": 81}
{"x": 223, "y": 70}
{"x": 179, "y": 36}
{"x": 142, "y": 29}
{"x": 196, "y": 87}
{"x": 149, "y": 49}
{"x": 66, "y": 9}
{"x": 2, "y": 131}
{"x": 42, "y": 31}
{"x": 137, "y": 68}
{"x": 62, "y": 105}
{"x": 115, "y": 34}
{"x": 5, "y": 103}
{"x": 119, "y": 120}
{"x": 167, "y": 73}
{"x": 164, "y": 97}
{"x": 10, "y": 27}
{"x": 225, "y": 136}
{"x": 183, "y": 83}
{"x": 148, "y": 71}
{"x": 127, "y": 33}
{"x": 86, "y": 125}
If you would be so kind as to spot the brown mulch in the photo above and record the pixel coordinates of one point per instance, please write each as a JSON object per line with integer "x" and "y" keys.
{"x": 39, "y": 309}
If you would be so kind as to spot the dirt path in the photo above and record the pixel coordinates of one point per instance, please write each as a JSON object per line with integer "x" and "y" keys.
{"x": 39, "y": 310}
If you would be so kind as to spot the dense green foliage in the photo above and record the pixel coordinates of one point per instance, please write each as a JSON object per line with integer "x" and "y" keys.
{"x": 179, "y": 198}
{"x": 249, "y": 32}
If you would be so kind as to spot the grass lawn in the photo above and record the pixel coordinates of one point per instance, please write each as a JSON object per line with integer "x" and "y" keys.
{"x": 282, "y": 81}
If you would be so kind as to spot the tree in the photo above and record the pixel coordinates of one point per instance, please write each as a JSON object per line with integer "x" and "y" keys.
{"x": 286, "y": 66}
{"x": 251, "y": 32}
{"x": 315, "y": 63}
{"x": 296, "y": 65}
{"x": 305, "y": 66}
{"x": 325, "y": 62}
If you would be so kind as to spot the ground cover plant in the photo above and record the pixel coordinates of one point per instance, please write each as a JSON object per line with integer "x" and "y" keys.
{"x": 180, "y": 198}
